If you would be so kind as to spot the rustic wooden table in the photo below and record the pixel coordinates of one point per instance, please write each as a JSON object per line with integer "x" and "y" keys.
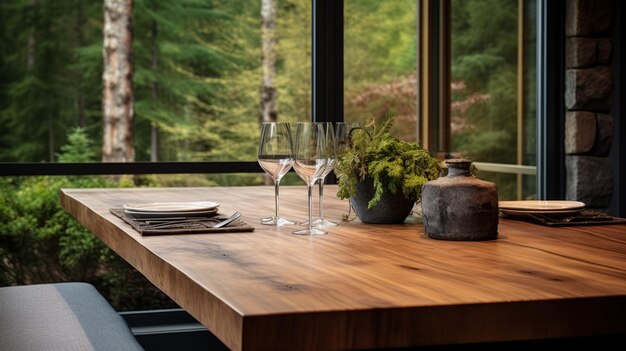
{"x": 366, "y": 286}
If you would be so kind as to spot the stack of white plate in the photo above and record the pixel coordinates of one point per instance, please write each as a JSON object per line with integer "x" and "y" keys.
{"x": 178, "y": 209}
{"x": 542, "y": 207}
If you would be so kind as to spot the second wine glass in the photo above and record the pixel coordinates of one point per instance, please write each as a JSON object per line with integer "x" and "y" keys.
{"x": 276, "y": 159}
{"x": 310, "y": 158}
{"x": 330, "y": 144}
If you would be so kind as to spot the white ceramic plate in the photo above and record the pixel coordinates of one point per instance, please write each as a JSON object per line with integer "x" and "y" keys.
{"x": 541, "y": 205}
{"x": 556, "y": 213}
{"x": 171, "y": 207}
{"x": 152, "y": 214}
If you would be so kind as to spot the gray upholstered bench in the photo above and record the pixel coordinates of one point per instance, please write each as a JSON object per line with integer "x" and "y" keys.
{"x": 64, "y": 316}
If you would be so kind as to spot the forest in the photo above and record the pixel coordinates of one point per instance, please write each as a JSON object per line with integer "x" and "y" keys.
{"x": 197, "y": 76}
{"x": 200, "y": 71}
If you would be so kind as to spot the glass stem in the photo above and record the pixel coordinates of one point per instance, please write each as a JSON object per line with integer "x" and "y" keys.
{"x": 310, "y": 192}
{"x": 321, "y": 199}
{"x": 276, "y": 197}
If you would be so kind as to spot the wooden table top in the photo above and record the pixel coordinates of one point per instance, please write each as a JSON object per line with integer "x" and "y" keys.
{"x": 366, "y": 286}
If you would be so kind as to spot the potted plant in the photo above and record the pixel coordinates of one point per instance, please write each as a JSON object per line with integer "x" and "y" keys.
{"x": 381, "y": 175}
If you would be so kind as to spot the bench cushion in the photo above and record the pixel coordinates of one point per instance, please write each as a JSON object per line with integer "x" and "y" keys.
{"x": 63, "y": 316}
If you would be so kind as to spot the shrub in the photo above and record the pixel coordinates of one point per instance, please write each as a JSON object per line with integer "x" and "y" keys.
{"x": 41, "y": 243}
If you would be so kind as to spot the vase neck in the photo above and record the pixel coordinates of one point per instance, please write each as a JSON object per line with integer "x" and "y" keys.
{"x": 455, "y": 172}
{"x": 458, "y": 167}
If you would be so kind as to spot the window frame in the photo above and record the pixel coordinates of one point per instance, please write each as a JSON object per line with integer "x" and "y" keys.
{"x": 327, "y": 97}
{"x": 327, "y": 101}
{"x": 434, "y": 93}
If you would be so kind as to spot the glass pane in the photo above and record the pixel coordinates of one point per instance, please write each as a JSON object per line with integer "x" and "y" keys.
{"x": 40, "y": 243}
{"x": 197, "y": 82}
{"x": 380, "y": 63}
{"x": 493, "y": 87}
{"x": 197, "y": 86}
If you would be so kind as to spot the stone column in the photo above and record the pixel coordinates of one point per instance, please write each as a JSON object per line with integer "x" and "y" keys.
{"x": 588, "y": 89}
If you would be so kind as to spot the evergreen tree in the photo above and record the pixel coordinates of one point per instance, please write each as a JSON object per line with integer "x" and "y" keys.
{"x": 484, "y": 54}
{"x": 44, "y": 90}
{"x": 36, "y": 101}
{"x": 184, "y": 60}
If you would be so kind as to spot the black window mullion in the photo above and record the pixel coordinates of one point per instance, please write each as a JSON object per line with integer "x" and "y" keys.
{"x": 327, "y": 59}
{"x": 550, "y": 95}
{"x": 97, "y": 168}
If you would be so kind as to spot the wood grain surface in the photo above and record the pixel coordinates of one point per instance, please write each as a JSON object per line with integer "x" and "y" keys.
{"x": 368, "y": 286}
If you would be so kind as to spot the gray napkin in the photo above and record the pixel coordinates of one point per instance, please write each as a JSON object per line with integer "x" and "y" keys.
{"x": 581, "y": 218}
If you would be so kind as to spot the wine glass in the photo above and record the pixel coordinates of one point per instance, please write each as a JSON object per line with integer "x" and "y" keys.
{"x": 276, "y": 158}
{"x": 329, "y": 134}
{"x": 310, "y": 159}
{"x": 342, "y": 134}
{"x": 339, "y": 135}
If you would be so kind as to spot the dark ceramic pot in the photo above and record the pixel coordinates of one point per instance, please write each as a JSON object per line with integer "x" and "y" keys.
{"x": 392, "y": 208}
{"x": 459, "y": 206}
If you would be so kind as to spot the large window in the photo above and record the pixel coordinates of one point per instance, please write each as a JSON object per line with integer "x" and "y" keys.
{"x": 457, "y": 75}
{"x": 199, "y": 70}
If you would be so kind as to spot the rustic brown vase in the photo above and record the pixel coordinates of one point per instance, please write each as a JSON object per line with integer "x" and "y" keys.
{"x": 459, "y": 206}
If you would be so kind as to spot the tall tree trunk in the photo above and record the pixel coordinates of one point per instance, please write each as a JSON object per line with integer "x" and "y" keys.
{"x": 117, "y": 96}
{"x": 154, "y": 128}
{"x": 268, "y": 38}
{"x": 267, "y": 107}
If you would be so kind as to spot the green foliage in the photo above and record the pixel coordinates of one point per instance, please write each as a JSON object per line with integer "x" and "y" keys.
{"x": 380, "y": 40}
{"x": 197, "y": 76}
{"x": 32, "y": 229}
{"x": 43, "y": 91}
{"x": 394, "y": 165}
{"x": 380, "y": 78}
{"x": 40, "y": 242}
{"x": 79, "y": 147}
{"x": 380, "y": 63}
{"x": 294, "y": 50}
{"x": 181, "y": 58}
{"x": 484, "y": 61}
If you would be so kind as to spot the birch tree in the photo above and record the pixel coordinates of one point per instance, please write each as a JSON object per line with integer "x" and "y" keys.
{"x": 268, "y": 38}
{"x": 117, "y": 96}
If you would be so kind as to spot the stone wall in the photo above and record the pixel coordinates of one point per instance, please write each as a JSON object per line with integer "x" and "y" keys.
{"x": 588, "y": 90}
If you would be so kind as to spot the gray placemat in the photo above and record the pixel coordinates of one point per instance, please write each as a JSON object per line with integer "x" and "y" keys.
{"x": 198, "y": 226}
{"x": 581, "y": 218}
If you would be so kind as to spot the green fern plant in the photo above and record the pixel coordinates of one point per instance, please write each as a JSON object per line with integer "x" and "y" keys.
{"x": 393, "y": 165}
